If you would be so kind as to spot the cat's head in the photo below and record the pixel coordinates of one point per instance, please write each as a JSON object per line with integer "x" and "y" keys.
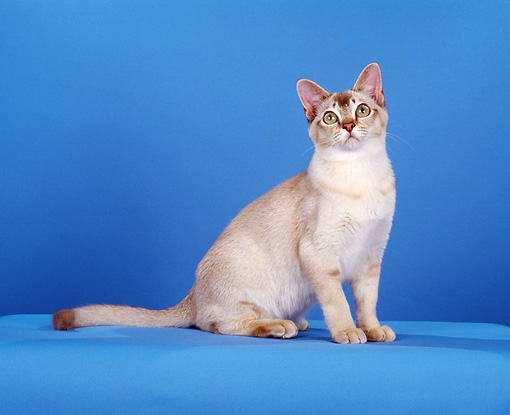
{"x": 350, "y": 121}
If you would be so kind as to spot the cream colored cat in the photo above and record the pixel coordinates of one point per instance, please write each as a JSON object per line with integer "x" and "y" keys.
{"x": 299, "y": 242}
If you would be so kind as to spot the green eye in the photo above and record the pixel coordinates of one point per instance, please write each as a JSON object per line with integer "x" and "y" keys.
{"x": 363, "y": 110}
{"x": 330, "y": 118}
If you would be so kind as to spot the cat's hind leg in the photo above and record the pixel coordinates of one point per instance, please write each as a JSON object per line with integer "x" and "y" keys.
{"x": 260, "y": 327}
{"x": 245, "y": 318}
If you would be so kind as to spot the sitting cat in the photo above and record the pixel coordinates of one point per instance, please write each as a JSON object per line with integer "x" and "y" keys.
{"x": 300, "y": 241}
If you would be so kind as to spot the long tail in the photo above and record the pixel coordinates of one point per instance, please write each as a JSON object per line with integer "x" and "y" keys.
{"x": 180, "y": 315}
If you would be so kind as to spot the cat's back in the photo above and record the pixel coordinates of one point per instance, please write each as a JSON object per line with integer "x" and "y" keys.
{"x": 270, "y": 222}
{"x": 277, "y": 209}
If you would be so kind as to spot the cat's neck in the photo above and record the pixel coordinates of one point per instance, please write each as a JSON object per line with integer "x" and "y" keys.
{"x": 350, "y": 176}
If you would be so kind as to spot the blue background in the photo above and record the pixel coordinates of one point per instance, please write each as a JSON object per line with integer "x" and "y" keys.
{"x": 131, "y": 133}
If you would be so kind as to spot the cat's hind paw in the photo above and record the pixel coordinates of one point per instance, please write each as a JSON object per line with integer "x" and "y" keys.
{"x": 303, "y": 325}
{"x": 279, "y": 329}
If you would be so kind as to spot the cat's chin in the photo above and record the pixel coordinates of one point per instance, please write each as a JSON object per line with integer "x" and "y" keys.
{"x": 348, "y": 149}
{"x": 350, "y": 143}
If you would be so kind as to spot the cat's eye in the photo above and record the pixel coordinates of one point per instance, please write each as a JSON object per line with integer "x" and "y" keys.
{"x": 330, "y": 118}
{"x": 363, "y": 110}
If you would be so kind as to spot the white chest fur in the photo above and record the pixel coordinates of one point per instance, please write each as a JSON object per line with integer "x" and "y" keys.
{"x": 354, "y": 211}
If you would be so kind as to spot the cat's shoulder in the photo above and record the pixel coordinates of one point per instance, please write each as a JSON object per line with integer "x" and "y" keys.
{"x": 296, "y": 185}
{"x": 288, "y": 186}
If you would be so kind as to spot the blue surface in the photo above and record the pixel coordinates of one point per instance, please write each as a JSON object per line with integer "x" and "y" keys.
{"x": 132, "y": 132}
{"x": 432, "y": 368}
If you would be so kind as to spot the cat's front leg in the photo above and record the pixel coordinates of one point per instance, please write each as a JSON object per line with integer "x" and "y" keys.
{"x": 322, "y": 271}
{"x": 365, "y": 290}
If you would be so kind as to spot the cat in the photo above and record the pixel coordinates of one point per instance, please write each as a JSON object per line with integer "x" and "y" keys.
{"x": 299, "y": 242}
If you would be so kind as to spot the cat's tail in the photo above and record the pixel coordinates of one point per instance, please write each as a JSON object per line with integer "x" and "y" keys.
{"x": 180, "y": 315}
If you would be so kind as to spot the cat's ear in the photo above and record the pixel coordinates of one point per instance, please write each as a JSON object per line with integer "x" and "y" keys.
{"x": 312, "y": 96}
{"x": 370, "y": 83}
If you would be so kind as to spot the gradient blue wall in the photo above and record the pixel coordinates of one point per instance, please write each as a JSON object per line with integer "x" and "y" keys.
{"x": 132, "y": 132}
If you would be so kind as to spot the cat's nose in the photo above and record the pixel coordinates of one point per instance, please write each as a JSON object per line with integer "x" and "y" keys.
{"x": 349, "y": 126}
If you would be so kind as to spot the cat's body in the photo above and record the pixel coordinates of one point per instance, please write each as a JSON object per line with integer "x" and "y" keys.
{"x": 297, "y": 243}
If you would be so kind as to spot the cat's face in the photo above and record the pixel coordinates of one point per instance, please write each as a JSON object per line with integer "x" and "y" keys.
{"x": 350, "y": 121}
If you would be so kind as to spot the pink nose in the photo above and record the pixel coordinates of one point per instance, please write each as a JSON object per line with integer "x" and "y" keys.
{"x": 349, "y": 126}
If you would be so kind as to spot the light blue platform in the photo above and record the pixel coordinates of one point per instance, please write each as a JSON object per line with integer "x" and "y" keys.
{"x": 432, "y": 368}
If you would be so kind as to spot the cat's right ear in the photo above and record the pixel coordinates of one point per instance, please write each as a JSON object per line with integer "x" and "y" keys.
{"x": 312, "y": 96}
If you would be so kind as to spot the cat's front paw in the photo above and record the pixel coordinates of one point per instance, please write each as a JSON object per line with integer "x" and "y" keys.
{"x": 379, "y": 334}
{"x": 349, "y": 336}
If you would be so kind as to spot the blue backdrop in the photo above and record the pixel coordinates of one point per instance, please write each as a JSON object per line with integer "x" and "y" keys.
{"x": 132, "y": 132}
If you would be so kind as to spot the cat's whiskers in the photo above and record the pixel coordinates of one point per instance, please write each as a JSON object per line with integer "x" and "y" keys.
{"x": 337, "y": 139}
{"x": 308, "y": 149}
{"x": 396, "y": 138}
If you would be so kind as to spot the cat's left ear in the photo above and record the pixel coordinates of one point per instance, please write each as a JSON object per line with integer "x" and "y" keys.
{"x": 312, "y": 96}
{"x": 370, "y": 83}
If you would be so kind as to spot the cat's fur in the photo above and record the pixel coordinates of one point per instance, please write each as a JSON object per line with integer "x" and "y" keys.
{"x": 297, "y": 243}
